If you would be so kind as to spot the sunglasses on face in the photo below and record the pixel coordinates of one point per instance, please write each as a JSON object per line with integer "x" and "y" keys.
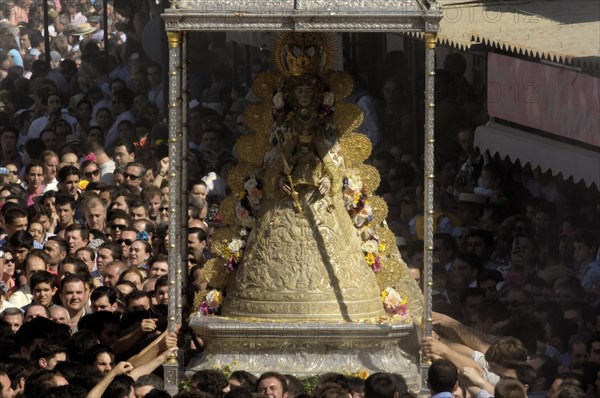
{"x": 94, "y": 173}
{"x": 127, "y": 242}
{"x": 130, "y": 176}
{"x": 161, "y": 209}
{"x": 118, "y": 226}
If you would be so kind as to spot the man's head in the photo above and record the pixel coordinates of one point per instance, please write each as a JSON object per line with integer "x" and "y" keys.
{"x": 14, "y": 317}
{"x": 72, "y": 293}
{"x": 442, "y": 376}
{"x": 197, "y": 239}
{"x": 48, "y": 355}
{"x": 15, "y": 220}
{"x": 57, "y": 249}
{"x": 134, "y": 173}
{"x": 77, "y": 236}
{"x": 68, "y": 180}
{"x": 43, "y": 287}
{"x": 124, "y": 153}
{"x": 104, "y": 298}
{"x": 112, "y": 272}
{"x": 6, "y": 390}
{"x": 272, "y": 384}
{"x": 95, "y": 213}
{"x": 122, "y": 100}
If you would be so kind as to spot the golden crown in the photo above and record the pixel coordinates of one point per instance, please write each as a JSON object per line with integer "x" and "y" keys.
{"x": 306, "y": 53}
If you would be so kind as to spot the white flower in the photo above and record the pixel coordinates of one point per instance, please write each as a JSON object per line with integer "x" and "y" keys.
{"x": 393, "y": 298}
{"x": 370, "y": 246}
{"x": 354, "y": 183}
{"x": 278, "y": 100}
{"x": 328, "y": 98}
{"x": 236, "y": 245}
{"x": 250, "y": 184}
{"x": 243, "y": 232}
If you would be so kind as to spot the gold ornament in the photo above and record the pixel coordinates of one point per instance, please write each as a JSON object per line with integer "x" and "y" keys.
{"x": 379, "y": 207}
{"x": 220, "y": 240}
{"x": 251, "y": 148}
{"x": 266, "y": 83}
{"x": 356, "y": 148}
{"x": 215, "y": 273}
{"x": 237, "y": 177}
{"x": 340, "y": 83}
{"x": 347, "y": 118}
{"x": 387, "y": 237}
{"x": 227, "y": 209}
{"x": 369, "y": 176}
{"x": 258, "y": 118}
{"x": 305, "y": 53}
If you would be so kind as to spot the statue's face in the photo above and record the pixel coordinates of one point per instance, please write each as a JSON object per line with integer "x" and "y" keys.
{"x": 304, "y": 95}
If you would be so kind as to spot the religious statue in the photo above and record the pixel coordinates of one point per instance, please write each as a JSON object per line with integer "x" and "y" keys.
{"x": 305, "y": 238}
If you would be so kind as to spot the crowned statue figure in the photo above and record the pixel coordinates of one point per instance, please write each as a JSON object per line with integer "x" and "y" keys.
{"x": 306, "y": 239}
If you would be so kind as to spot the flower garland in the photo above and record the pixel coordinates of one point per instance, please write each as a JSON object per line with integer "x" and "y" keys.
{"x": 372, "y": 248}
{"x": 356, "y": 200}
{"x": 245, "y": 211}
{"x": 211, "y": 304}
{"x": 393, "y": 303}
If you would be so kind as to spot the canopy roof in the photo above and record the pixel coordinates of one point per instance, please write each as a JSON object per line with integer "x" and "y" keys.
{"x": 559, "y": 157}
{"x": 308, "y": 15}
{"x": 566, "y": 31}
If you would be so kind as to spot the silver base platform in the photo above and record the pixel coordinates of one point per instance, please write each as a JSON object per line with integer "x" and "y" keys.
{"x": 307, "y": 348}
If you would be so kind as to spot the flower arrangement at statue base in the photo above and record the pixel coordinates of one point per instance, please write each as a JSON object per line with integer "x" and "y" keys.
{"x": 208, "y": 302}
{"x": 394, "y": 304}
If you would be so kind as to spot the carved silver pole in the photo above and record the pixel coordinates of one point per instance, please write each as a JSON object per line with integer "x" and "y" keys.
{"x": 184, "y": 153}
{"x": 174, "y": 39}
{"x": 430, "y": 39}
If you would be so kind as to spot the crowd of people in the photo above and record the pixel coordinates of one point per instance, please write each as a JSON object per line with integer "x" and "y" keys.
{"x": 83, "y": 189}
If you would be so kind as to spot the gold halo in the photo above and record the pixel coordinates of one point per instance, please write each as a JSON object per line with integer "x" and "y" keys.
{"x": 369, "y": 176}
{"x": 237, "y": 177}
{"x": 347, "y": 118}
{"x": 379, "y": 207}
{"x": 356, "y": 148}
{"x": 340, "y": 83}
{"x": 265, "y": 83}
{"x": 227, "y": 209}
{"x": 251, "y": 148}
{"x": 215, "y": 273}
{"x": 258, "y": 118}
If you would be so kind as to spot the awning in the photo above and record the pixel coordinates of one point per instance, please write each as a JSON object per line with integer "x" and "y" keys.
{"x": 565, "y": 31}
{"x": 559, "y": 157}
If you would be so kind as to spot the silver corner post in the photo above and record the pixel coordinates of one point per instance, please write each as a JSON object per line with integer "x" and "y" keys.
{"x": 171, "y": 367}
{"x": 430, "y": 44}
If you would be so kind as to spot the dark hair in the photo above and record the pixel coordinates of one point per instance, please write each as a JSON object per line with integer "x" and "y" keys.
{"x": 96, "y": 321}
{"x": 149, "y": 380}
{"x": 11, "y": 215}
{"x": 41, "y": 277}
{"x": 211, "y": 381}
{"x": 442, "y": 376}
{"x": 93, "y": 352}
{"x": 21, "y": 239}
{"x": 84, "y": 232}
{"x": 135, "y": 295}
{"x": 47, "y": 351}
{"x": 67, "y": 171}
{"x": 119, "y": 387}
{"x": 69, "y": 279}
{"x": 380, "y": 385}
{"x": 104, "y": 291}
{"x": 80, "y": 343}
{"x": 115, "y": 249}
{"x": 246, "y": 379}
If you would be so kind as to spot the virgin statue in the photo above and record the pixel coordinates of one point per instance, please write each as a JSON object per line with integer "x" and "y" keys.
{"x": 305, "y": 238}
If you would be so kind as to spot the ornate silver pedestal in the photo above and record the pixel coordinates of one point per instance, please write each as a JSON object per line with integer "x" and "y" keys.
{"x": 308, "y": 348}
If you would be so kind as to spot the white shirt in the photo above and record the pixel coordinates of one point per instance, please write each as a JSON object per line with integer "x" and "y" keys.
{"x": 35, "y": 130}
